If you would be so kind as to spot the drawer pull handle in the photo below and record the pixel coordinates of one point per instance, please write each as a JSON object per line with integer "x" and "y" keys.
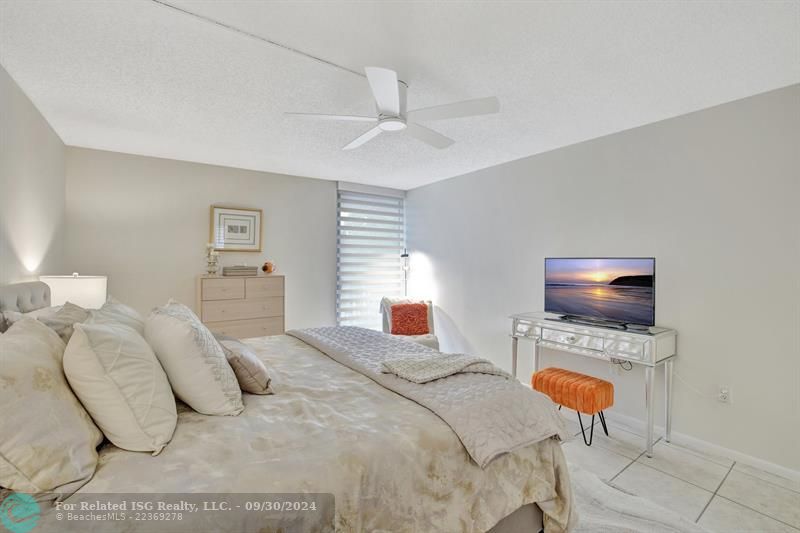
{"x": 572, "y": 339}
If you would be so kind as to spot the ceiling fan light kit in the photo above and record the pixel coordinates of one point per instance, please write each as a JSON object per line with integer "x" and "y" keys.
{"x": 390, "y": 101}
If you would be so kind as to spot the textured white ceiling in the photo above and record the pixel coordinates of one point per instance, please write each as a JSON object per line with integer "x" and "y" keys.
{"x": 138, "y": 77}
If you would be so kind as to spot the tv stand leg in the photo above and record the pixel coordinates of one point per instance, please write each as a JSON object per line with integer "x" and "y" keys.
{"x": 514, "y": 347}
{"x": 536, "y": 355}
{"x": 649, "y": 386}
{"x": 668, "y": 400}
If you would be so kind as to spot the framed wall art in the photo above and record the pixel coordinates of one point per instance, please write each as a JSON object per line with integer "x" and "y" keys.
{"x": 235, "y": 229}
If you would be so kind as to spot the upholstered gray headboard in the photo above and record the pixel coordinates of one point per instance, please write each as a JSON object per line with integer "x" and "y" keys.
{"x": 24, "y": 297}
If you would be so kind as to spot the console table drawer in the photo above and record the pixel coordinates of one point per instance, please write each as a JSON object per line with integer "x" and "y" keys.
{"x": 222, "y": 289}
{"x": 568, "y": 338}
{"x": 526, "y": 329}
{"x": 242, "y": 309}
{"x": 628, "y": 348}
{"x": 242, "y": 329}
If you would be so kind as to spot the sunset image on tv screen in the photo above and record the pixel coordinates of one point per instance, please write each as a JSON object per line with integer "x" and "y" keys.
{"x": 622, "y": 290}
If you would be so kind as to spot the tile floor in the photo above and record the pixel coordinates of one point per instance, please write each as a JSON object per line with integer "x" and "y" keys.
{"x": 718, "y": 493}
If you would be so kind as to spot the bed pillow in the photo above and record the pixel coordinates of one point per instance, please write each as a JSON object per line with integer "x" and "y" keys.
{"x": 47, "y": 440}
{"x": 114, "y": 311}
{"x": 193, "y": 360}
{"x": 251, "y": 373}
{"x": 116, "y": 376}
{"x": 63, "y": 320}
{"x": 410, "y": 319}
{"x": 15, "y": 316}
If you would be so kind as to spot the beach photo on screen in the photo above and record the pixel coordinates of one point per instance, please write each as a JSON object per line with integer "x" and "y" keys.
{"x": 619, "y": 289}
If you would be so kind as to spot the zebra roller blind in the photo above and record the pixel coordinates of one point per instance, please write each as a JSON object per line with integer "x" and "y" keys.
{"x": 371, "y": 238}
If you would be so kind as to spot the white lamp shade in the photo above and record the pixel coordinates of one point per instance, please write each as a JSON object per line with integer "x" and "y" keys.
{"x": 88, "y": 292}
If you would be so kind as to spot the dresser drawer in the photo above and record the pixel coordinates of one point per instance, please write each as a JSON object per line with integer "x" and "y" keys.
{"x": 573, "y": 339}
{"x": 257, "y": 288}
{"x": 222, "y": 289}
{"x": 242, "y": 329}
{"x": 242, "y": 309}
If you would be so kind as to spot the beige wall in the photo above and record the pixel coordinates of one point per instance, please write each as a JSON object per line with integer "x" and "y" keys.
{"x": 714, "y": 196}
{"x": 144, "y": 222}
{"x": 31, "y": 189}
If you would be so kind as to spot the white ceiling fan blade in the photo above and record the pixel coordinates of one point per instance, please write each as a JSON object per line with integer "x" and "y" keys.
{"x": 434, "y": 138}
{"x": 384, "y": 88}
{"x": 363, "y": 138}
{"x": 466, "y": 108}
{"x": 321, "y": 116}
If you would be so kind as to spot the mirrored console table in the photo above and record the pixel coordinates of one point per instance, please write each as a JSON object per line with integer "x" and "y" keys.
{"x": 649, "y": 347}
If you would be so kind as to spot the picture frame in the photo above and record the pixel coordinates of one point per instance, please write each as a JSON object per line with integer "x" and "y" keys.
{"x": 236, "y": 229}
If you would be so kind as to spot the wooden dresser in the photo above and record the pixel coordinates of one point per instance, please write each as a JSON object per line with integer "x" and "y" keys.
{"x": 242, "y": 306}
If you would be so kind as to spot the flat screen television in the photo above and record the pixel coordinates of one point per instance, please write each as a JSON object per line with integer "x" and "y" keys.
{"x": 613, "y": 289}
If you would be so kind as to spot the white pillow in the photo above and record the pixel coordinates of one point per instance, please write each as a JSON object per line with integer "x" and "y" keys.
{"x": 47, "y": 440}
{"x": 16, "y": 316}
{"x": 251, "y": 373}
{"x": 114, "y": 311}
{"x": 116, "y": 376}
{"x": 193, "y": 359}
{"x": 63, "y": 320}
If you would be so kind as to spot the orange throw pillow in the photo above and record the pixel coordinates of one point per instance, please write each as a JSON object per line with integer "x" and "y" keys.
{"x": 410, "y": 319}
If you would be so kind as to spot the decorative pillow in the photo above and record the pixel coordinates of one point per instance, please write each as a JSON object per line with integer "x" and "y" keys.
{"x": 114, "y": 311}
{"x": 47, "y": 440}
{"x": 116, "y": 376}
{"x": 410, "y": 319}
{"x": 64, "y": 319}
{"x": 193, "y": 360}
{"x": 251, "y": 373}
{"x": 16, "y": 316}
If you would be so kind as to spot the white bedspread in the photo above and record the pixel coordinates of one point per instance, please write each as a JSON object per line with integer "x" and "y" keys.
{"x": 491, "y": 415}
{"x": 391, "y": 464}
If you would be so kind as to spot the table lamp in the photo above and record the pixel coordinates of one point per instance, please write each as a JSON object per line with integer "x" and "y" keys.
{"x": 88, "y": 292}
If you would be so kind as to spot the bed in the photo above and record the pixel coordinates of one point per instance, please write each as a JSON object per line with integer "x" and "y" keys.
{"x": 390, "y": 464}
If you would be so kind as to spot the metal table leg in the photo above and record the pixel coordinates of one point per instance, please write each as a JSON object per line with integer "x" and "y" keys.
{"x": 536, "y": 355}
{"x": 668, "y": 400}
{"x": 649, "y": 386}
{"x": 514, "y": 343}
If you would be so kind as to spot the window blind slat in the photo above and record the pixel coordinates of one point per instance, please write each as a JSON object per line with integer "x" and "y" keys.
{"x": 370, "y": 239}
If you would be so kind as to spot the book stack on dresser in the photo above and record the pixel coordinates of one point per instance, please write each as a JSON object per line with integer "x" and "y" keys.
{"x": 242, "y": 306}
{"x": 240, "y": 270}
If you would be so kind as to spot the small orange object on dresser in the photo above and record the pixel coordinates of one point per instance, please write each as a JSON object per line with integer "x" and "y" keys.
{"x": 579, "y": 392}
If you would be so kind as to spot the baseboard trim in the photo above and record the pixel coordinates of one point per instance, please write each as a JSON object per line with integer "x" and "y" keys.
{"x": 682, "y": 439}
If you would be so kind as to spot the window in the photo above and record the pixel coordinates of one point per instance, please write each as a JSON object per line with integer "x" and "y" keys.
{"x": 371, "y": 239}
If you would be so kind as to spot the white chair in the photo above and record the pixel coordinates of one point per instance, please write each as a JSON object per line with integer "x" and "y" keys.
{"x": 428, "y": 340}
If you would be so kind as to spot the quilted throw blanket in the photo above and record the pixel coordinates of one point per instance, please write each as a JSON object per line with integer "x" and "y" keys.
{"x": 432, "y": 367}
{"x": 490, "y": 414}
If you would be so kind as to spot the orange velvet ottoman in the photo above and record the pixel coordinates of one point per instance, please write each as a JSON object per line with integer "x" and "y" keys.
{"x": 579, "y": 392}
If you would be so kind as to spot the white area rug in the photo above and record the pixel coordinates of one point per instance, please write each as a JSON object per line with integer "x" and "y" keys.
{"x": 605, "y": 509}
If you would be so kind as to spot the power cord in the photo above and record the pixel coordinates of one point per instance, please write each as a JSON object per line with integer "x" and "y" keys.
{"x": 691, "y": 388}
{"x": 627, "y": 366}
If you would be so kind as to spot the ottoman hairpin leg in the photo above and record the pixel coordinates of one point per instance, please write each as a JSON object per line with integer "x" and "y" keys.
{"x": 591, "y": 429}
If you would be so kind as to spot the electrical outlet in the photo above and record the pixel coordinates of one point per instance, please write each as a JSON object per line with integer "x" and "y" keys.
{"x": 724, "y": 395}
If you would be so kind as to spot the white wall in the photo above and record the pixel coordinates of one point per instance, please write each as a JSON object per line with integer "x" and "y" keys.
{"x": 31, "y": 189}
{"x": 144, "y": 222}
{"x": 714, "y": 196}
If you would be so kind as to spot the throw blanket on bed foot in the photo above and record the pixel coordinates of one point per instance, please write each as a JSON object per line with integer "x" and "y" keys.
{"x": 490, "y": 414}
{"x": 432, "y": 367}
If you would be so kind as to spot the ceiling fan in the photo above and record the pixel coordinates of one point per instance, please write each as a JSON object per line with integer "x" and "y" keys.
{"x": 390, "y": 100}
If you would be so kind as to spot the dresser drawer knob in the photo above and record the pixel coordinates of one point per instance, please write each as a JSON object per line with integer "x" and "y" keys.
{"x": 572, "y": 339}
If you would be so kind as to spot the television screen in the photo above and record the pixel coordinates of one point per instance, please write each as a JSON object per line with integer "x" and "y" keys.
{"x": 618, "y": 289}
